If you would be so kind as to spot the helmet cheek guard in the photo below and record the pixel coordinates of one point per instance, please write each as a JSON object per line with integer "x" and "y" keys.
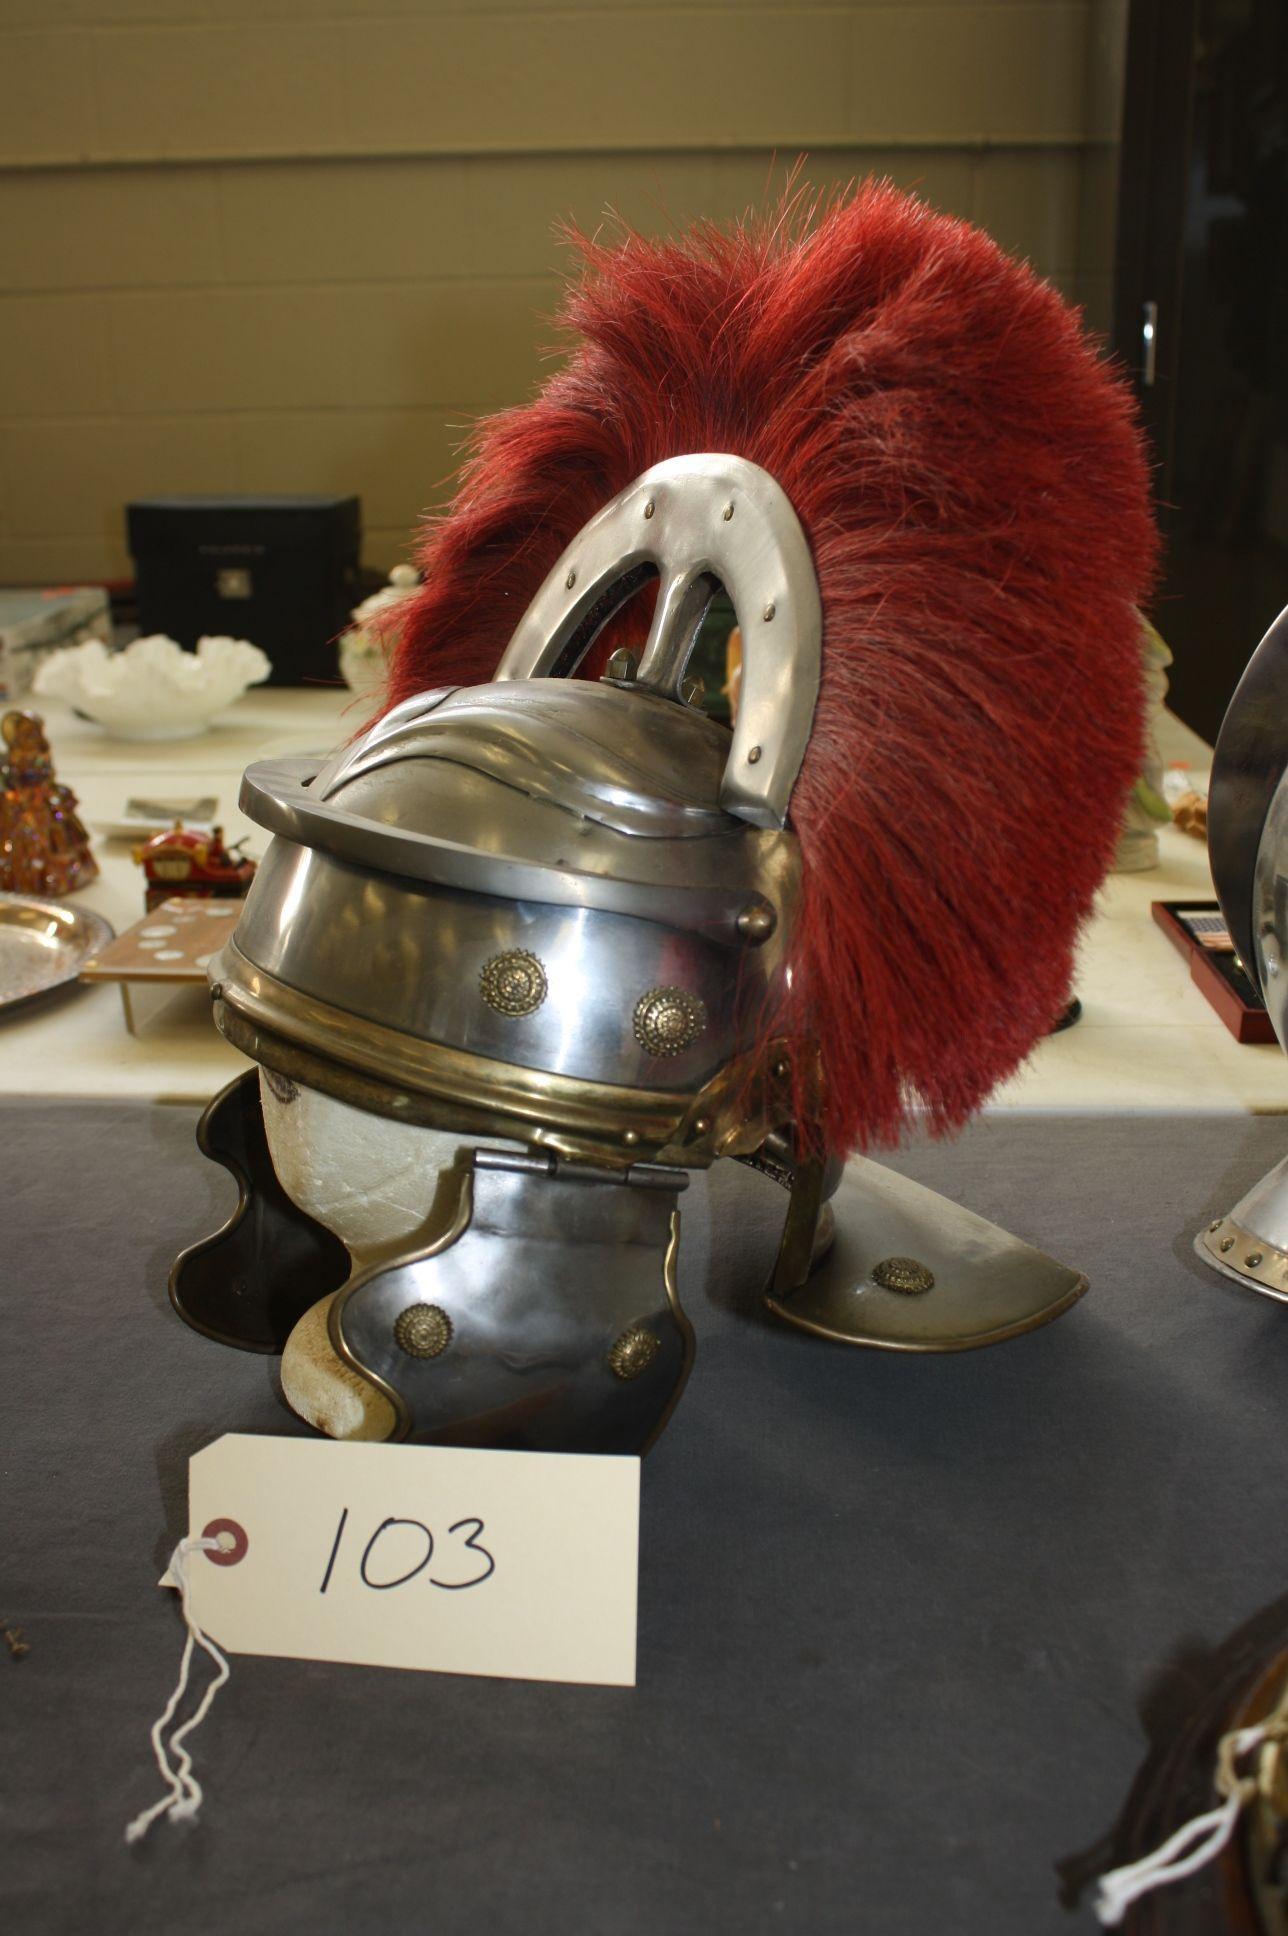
{"x": 543, "y": 1314}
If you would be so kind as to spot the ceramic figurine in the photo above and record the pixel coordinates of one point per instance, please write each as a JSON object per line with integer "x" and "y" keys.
{"x": 366, "y": 645}
{"x": 153, "y": 689}
{"x": 547, "y": 937}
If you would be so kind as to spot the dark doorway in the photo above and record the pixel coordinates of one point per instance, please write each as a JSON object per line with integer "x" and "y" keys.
{"x": 1201, "y": 319}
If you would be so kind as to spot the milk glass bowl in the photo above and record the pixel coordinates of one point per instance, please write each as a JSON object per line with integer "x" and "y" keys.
{"x": 153, "y": 689}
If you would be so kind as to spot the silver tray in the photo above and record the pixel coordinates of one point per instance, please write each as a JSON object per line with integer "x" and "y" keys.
{"x": 43, "y": 945}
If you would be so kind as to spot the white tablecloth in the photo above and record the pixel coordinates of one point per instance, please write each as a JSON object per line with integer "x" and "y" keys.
{"x": 1147, "y": 1040}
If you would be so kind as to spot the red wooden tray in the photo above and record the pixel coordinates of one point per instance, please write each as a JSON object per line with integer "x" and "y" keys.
{"x": 1216, "y": 972}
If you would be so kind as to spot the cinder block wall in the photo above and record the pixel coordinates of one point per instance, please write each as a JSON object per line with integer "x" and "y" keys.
{"x": 257, "y": 245}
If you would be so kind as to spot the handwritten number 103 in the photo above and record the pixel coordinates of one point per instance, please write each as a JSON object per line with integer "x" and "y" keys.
{"x": 371, "y": 1571}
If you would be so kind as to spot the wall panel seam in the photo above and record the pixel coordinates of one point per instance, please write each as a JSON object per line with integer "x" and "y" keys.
{"x": 785, "y": 146}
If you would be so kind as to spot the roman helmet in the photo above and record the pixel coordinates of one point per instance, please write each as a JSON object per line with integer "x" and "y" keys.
{"x": 547, "y": 937}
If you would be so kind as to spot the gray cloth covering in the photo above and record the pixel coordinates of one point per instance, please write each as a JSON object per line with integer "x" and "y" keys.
{"x": 898, "y": 1616}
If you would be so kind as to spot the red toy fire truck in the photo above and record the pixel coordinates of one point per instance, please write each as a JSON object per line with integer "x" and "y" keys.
{"x": 190, "y": 861}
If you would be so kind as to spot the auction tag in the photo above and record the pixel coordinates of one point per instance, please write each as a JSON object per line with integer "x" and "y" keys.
{"x": 521, "y": 1564}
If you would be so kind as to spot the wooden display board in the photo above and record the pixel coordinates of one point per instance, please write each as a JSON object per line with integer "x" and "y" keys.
{"x": 174, "y": 943}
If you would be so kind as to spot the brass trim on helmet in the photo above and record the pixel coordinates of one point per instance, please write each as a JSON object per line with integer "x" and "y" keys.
{"x": 671, "y": 1279}
{"x": 377, "y": 1068}
{"x": 449, "y": 1218}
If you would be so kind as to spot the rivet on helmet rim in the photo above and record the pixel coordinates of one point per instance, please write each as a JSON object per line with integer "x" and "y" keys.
{"x": 622, "y": 665}
{"x": 757, "y": 921}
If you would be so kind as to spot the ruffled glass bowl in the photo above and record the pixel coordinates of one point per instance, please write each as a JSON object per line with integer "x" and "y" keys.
{"x": 153, "y": 689}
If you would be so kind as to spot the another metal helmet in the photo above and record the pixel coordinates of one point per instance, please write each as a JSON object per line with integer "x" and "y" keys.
{"x": 1248, "y": 847}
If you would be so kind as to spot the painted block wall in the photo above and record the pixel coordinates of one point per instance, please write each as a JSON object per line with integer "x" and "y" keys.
{"x": 257, "y": 245}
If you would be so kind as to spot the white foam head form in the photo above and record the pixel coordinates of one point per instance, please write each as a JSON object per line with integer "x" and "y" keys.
{"x": 369, "y": 1180}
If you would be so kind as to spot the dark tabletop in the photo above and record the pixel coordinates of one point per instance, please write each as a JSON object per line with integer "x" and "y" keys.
{"x": 900, "y": 1618}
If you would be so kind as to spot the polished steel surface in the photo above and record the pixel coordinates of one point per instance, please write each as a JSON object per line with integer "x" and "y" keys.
{"x": 559, "y": 791}
{"x": 540, "y": 1274}
{"x": 373, "y": 1067}
{"x": 1264, "y": 1208}
{"x": 1268, "y": 963}
{"x": 526, "y": 909}
{"x": 987, "y": 1284}
{"x": 1251, "y": 1244}
{"x": 397, "y": 953}
{"x": 44, "y": 945}
{"x": 1248, "y": 848}
{"x": 698, "y": 522}
{"x": 1247, "y": 770}
{"x": 482, "y": 828}
{"x": 620, "y": 757}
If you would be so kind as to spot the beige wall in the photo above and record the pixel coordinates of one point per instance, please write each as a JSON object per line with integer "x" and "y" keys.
{"x": 296, "y": 244}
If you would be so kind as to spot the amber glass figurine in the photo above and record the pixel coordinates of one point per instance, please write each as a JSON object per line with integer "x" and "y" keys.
{"x": 44, "y": 849}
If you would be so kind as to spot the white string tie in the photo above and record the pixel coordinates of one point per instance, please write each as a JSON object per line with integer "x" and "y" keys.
{"x": 1181, "y": 1855}
{"x": 184, "y": 1798}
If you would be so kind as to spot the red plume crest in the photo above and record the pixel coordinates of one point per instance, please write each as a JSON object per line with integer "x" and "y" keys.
{"x": 971, "y": 480}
